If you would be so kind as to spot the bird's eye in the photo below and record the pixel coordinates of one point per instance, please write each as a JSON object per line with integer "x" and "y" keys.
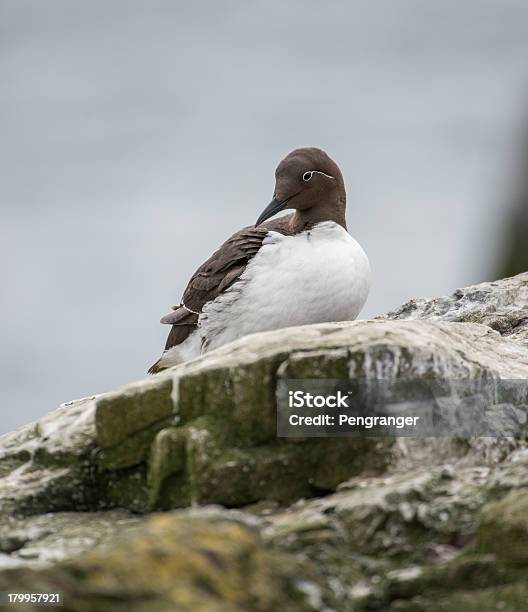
{"x": 307, "y": 176}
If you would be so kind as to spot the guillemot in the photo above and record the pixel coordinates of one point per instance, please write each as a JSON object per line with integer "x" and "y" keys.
{"x": 297, "y": 269}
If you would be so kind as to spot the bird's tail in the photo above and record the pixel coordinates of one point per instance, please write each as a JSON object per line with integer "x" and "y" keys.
{"x": 157, "y": 367}
{"x": 169, "y": 359}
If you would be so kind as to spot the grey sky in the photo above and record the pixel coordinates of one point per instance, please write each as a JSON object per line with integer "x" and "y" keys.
{"x": 137, "y": 136}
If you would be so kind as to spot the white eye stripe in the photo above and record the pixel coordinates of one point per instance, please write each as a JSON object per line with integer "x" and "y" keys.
{"x": 308, "y": 175}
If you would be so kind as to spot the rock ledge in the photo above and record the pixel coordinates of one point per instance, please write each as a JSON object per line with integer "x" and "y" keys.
{"x": 175, "y": 493}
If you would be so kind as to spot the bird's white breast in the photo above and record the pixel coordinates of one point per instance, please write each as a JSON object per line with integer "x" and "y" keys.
{"x": 317, "y": 276}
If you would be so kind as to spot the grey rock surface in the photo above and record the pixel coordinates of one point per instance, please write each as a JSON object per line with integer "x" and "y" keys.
{"x": 501, "y": 305}
{"x": 328, "y": 523}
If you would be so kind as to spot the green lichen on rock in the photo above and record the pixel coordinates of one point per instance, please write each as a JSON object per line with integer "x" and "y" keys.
{"x": 126, "y": 488}
{"x": 167, "y": 459}
{"x": 175, "y": 563}
{"x": 503, "y": 529}
{"x": 123, "y": 413}
{"x": 243, "y": 393}
{"x": 134, "y": 449}
{"x": 332, "y": 364}
{"x": 204, "y": 462}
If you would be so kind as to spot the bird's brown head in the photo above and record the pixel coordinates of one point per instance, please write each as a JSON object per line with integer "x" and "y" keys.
{"x": 309, "y": 182}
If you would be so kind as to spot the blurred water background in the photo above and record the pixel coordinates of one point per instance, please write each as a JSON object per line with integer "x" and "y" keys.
{"x": 136, "y": 136}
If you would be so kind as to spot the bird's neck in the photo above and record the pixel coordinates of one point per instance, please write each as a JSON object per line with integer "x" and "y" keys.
{"x": 329, "y": 209}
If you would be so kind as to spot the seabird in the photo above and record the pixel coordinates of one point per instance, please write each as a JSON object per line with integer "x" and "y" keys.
{"x": 296, "y": 269}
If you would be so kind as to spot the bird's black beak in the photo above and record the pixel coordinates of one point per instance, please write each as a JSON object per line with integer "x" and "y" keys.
{"x": 271, "y": 209}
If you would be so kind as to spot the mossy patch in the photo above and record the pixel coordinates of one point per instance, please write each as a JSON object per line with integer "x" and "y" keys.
{"x": 176, "y": 563}
{"x": 132, "y": 450}
{"x": 503, "y": 529}
{"x": 123, "y": 413}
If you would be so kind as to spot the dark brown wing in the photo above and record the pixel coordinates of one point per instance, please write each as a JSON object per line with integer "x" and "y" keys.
{"x": 216, "y": 275}
{"x": 223, "y": 267}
